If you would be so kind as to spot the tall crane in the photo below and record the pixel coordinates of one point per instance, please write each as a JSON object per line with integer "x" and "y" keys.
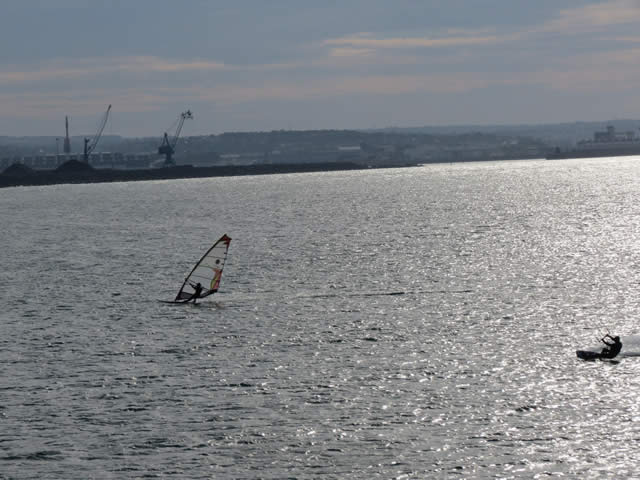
{"x": 168, "y": 147}
{"x": 66, "y": 146}
{"x": 90, "y": 144}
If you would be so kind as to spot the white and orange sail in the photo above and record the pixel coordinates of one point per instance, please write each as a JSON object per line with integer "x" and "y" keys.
{"x": 207, "y": 272}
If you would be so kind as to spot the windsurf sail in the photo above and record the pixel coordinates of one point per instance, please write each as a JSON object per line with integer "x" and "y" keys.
{"x": 207, "y": 272}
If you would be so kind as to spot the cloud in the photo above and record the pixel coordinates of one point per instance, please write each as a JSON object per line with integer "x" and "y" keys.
{"x": 587, "y": 73}
{"x": 587, "y": 80}
{"x": 609, "y": 59}
{"x": 155, "y": 64}
{"x": 351, "y": 52}
{"x": 628, "y": 39}
{"x": 83, "y": 69}
{"x": 600, "y": 16}
{"x": 144, "y": 98}
{"x": 611, "y": 70}
{"x": 67, "y": 68}
{"x": 451, "y": 61}
{"x": 89, "y": 101}
{"x": 594, "y": 17}
{"x": 368, "y": 41}
{"x": 346, "y": 85}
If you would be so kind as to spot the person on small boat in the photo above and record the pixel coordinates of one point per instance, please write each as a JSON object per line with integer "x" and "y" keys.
{"x": 197, "y": 291}
{"x": 612, "y": 349}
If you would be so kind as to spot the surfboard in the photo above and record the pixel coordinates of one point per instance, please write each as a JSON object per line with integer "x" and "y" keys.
{"x": 593, "y": 355}
{"x": 588, "y": 354}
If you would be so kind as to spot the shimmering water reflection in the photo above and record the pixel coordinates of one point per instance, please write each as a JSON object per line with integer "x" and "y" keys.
{"x": 409, "y": 323}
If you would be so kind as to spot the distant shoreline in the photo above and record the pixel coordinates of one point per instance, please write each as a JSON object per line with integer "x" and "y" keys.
{"x": 57, "y": 177}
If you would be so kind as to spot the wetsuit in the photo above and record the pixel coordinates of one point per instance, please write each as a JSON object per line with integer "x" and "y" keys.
{"x": 196, "y": 294}
{"x": 612, "y": 349}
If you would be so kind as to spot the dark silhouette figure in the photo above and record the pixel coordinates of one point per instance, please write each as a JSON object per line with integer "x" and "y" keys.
{"x": 196, "y": 294}
{"x": 612, "y": 349}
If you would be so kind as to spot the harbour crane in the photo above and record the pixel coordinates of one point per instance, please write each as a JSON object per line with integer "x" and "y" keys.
{"x": 66, "y": 146}
{"x": 168, "y": 147}
{"x": 90, "y": 144}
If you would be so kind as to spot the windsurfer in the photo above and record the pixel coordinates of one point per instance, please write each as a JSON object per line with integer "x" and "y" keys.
{"x": 612, "y": 349}
{"x": 197, "y": 291}
{"x": 208, "y": 271}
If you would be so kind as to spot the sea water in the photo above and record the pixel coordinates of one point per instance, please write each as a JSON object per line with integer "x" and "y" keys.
{"x": 397, "y": 323}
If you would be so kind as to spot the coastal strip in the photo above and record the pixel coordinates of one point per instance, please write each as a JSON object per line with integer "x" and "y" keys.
{"x": 28, "y": 177}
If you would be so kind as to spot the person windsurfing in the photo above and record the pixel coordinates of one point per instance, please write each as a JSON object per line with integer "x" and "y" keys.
{"x": 196, "y": 294}
{"x": 612, "y": 349}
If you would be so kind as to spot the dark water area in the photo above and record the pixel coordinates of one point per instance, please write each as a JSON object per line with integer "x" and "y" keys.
{"x": 399, "y": 323}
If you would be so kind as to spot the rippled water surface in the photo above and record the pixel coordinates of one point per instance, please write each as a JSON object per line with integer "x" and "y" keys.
{"x": 409, "y": 323}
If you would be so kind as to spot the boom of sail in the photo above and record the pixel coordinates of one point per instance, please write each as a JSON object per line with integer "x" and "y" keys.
{"x": 207, "y": 272}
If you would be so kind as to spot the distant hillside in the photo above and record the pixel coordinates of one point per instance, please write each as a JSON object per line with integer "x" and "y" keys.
{"x": 553, "y": 134}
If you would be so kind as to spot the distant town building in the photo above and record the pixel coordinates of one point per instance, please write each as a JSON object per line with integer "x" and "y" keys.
{"x": 610, "y": 135}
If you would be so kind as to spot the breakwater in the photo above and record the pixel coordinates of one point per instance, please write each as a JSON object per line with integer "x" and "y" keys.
{"x": 77, "y": 172}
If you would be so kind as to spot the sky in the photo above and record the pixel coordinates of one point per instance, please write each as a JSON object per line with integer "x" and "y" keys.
{"x": 261, "y": 65}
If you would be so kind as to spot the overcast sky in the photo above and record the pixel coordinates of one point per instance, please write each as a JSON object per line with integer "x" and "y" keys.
{"x": 247, "y": 65}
